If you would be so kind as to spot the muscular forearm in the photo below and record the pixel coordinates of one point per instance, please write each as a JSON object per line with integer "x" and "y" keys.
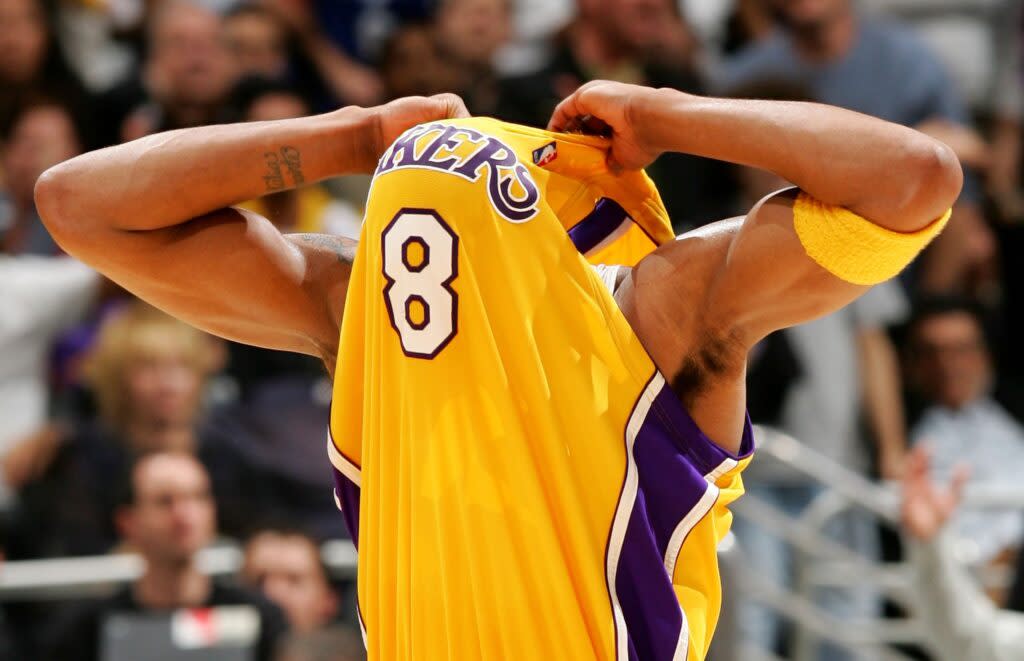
{"x": 880, "y": 170}
{"x": 168, "y": 178}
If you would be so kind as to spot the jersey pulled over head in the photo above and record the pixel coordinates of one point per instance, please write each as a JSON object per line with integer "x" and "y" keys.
{"x": 519, "y": 480}
{"x": 611, "y": 219}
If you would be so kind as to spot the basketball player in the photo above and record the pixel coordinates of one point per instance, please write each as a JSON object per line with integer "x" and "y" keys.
{"x": 534, "y": 456}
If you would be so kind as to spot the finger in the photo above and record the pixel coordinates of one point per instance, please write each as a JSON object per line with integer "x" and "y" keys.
{"x": 917, "y": 460}
{"x": 915, "y": 470}
{"x": 454, "y": 106}
{"x": 565, "y": 113}
{"x": 961, "y": 474}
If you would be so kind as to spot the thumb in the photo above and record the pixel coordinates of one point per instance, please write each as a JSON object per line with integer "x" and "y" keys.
{"x": 452, "y": 105}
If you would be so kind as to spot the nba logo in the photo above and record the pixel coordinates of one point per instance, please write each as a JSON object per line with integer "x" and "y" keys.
{"x": 545, "y": 154}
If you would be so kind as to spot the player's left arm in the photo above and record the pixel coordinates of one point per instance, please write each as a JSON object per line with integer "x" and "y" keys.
{"x": 860, "y": 177}
{"x": 761, "y": 275}
{"x": 870, "y": 194}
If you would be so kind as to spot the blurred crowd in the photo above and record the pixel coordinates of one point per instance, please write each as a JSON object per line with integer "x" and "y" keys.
{"x": 124, "y": 429}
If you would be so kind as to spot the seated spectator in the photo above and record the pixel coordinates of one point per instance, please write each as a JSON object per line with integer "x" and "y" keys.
{"x": 469, "y": 34}
{"x": 185, "y": 79}
{"x": 33, "y": 65}
{"x": 335, "y": 644}
{"x": 345, "y": 79}
{"x": 41, "y": 134}
{"x": 285, "y": 566}
{"x": 411, "y": 65}
{"x": 166, "y": 514}
{"x": 646, "y": 43}
{"x": 359, "y": 27}
{"x": 148, "y": 372}
{"x": 307, "y": 209}
{"x": 960, "y": 622}
{"x": 876, "y": 67}
{"x": 257, "y": 40}
{"x": 950, "y": 368}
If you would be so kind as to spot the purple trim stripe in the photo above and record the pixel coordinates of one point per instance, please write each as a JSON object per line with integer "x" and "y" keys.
{"x": 598, "y": 225}
{"x": 667, "y": 480}
{"x": 347, "y": 493}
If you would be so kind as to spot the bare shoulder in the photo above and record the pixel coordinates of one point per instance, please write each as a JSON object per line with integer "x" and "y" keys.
{"x": 683, "y": 309}
{"x": 669, "y": 299}
{"x": 665, "y": 299}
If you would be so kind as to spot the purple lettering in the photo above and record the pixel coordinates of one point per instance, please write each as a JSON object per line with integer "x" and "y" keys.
{"x": 487, "y": 155}
{"x": 516, "y": 210}
{"x": 448, "y": 141}
{"x": 404, "y": 147}
{"x": 503, "y": 167}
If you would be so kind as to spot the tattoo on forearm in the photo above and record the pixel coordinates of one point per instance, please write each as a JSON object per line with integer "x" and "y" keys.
{"x": 274, "y": 179}
{"x": 291, "y": 158}
{"x": 293, "y": 161}
{"x": 343, "y": 247}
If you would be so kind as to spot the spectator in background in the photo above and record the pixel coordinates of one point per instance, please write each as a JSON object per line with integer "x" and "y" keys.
{"x": 634, "y": 41}
{"x": 257, "y": 40}
{"x": 972, "y": 38}
{"x": 327, "y": 645}
{"x": 882, "y": 70}
{"x": 279, "y": 39}
{"x": 166, "y": 514}
{"x": 410, "y": 64}
{"x": 346, "y": 79}
{"x": 33, "y": 65}
{"x": 285, "y": 566}
{"x": 185, "y": 79}
{"x": 148, "y": 372}
{"x": 960, "y": 622}
{"x": 727, "y": 26}
{"x": 41, "y": 297}
{"x": 469, "y": 34}
{"x": 40, "y": 135}
{"x": 360, "y": 27}
{"x": 949, "y": 367}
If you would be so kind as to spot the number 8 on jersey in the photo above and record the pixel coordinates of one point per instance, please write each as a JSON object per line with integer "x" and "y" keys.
{"x": 420, "y": 262}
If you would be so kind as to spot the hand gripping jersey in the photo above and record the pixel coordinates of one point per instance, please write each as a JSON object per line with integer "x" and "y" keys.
{"x": 518, "y": 478}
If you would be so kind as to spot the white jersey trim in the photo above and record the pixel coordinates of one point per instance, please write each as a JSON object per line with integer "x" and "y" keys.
{"x": 344, "y": 466}
{"x": 625, "y": 509}
{"x": 683, "y": 528}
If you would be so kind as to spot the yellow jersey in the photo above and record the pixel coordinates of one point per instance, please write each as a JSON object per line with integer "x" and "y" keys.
{"x": 520, "y": 481}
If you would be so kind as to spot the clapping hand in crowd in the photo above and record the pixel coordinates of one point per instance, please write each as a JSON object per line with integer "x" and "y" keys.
{"x": 927, "y": 507}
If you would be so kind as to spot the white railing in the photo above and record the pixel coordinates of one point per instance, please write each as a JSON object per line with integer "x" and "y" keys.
{"x": 823, "y": 562}
{"x": 64, "y": 578}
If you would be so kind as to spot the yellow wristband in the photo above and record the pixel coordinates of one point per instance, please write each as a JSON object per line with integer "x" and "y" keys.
{"x": 853, "y": 248}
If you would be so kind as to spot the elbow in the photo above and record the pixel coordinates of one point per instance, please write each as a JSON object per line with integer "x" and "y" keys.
{"x": 936, "y": 180}
{"x": 51, "y": 194}
{"x": 58, "y": 205}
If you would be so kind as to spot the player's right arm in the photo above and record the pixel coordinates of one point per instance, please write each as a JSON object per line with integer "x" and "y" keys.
{"x": 155, "y": 216}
